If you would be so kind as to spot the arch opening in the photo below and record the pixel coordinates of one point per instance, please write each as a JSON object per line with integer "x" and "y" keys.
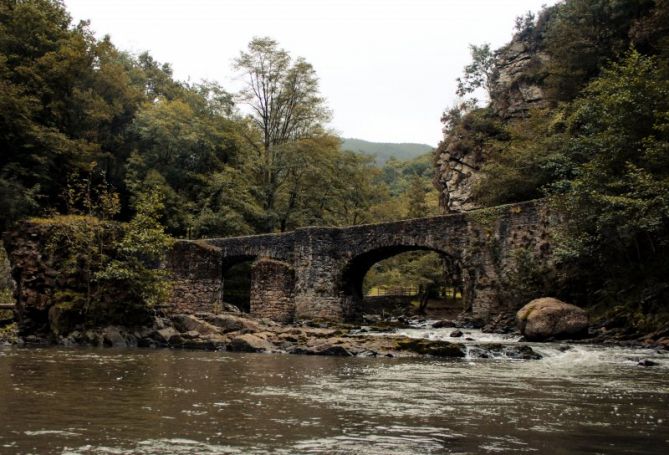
{"x": 236, "y": 282}
{"x": 403, "y": 280}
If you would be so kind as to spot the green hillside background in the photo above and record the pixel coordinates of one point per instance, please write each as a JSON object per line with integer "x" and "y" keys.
{"x": 383, "y": 151}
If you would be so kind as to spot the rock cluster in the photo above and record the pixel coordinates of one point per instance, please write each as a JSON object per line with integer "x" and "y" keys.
{"x": 235, "y": 333}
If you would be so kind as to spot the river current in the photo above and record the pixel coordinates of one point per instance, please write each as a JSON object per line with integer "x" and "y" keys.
{"x": 585, "y": 399}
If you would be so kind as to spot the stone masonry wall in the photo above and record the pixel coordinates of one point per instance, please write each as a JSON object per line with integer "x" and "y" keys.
{"x": 272, "y": 284}
{"x": 195, "y": 273}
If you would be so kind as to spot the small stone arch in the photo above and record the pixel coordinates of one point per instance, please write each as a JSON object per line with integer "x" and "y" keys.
{"x": 236, "y": 284}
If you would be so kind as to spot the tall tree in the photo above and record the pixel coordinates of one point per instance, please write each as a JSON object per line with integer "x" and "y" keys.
{"x": 285, "y": 106}
{"x": 479, "y": 73}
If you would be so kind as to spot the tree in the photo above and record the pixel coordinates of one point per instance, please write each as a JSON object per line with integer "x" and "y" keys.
{"x": 616, "y": 234}
{"x": 285, "y": 106}
{"x": 582, "y": 36}
{"x": 479, "y": 73}
{"x": 66, "y": 100}
{"x": 416, "y": 193}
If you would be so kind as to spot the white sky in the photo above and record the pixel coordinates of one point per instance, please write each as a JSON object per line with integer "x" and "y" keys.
{"x": 386, "y": 67}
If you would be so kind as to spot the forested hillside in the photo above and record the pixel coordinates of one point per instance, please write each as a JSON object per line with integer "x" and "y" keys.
{"x": 383, "y": 151}
{"x": 88, "y": 128}
{"x": 579, "y": 114}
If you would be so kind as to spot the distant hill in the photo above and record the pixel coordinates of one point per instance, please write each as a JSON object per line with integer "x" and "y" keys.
{"x": 384, "y": 151}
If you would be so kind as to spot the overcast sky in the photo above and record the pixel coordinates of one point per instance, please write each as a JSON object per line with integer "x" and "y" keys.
{"x": 386, "y": 67}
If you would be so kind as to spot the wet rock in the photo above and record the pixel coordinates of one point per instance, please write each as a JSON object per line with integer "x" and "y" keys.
{"x": 476, "y": 352}
{"x": 549, "y": 318}
{"x": 647, "y": 363}
{"x": 112, "y": 337}
{"x": 323, "y": 349}
{"x": 332, "y": 350}
{"x": 371, "y": 318}
{"x": 92, "y": 338}
{"x": 435, "y": 348}
{"x": 502, "y": 323}
{"x": 164, "y": 335}
{"x": 187, "y": 323}
{"x": 289, "y": 337}
{"x": 249, "y": 343}
{"x": 663, "y": 342}
{"x": 367, "y": 354}
{"x": 230, "y": 322}
{"x": 443, "y": 324}
{"x": 456, "y": 334}
{"x": 521, "y": 353}
{"x": 468, "y": 322}
{"x": 497, "y": 350}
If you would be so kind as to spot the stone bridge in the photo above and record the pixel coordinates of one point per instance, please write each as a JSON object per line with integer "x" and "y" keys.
{"x": 317, "y": 272}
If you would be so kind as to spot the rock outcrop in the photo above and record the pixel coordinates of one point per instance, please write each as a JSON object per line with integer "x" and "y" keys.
{"x": 515, "y": 89}
{"x": 549, "y": 318}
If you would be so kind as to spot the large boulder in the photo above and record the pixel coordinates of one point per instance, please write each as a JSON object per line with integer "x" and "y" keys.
{"x": 549, "y": 318}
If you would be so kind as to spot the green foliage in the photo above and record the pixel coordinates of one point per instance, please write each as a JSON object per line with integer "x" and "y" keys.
{"x": 582, "y": 36}
{"x": 108, "y": 272}
{"x": 103, "y": 135}
{"x": 135, "y": 267}
{"x": 600, "y": 150}
{"x": 524, "y": 160}
{"x": 479, "y": 73}
{"x": 422, "y": 270}
{"x": 286, "y": 107}
{"x": 617, "y": 203}
{"x": 6, "y": 285}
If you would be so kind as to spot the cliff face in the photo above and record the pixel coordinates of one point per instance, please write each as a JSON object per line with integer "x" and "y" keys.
{"x": 515, "y": 90}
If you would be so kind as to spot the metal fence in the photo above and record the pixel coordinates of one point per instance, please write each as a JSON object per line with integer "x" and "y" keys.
{"x": 408, "y": 291}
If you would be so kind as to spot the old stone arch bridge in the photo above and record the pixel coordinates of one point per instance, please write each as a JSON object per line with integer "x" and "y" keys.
{"x": 317, "y": 272}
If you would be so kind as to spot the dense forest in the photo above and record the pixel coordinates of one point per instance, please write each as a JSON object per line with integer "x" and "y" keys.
{"x": 578, "y": 113}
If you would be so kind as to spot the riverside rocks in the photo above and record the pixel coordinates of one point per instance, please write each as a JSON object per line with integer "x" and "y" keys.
{"x": 549, "y": 318}
{"x": 232, "y": 332}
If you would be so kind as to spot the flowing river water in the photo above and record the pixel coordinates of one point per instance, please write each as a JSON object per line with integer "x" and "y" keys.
{"x": 586, "y": 399}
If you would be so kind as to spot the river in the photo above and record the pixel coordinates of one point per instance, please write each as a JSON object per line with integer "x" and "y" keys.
{"x": 586, "y": 399}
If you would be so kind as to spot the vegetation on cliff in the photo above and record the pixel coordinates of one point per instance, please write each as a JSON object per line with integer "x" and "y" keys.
{"x": 579, "y": 113}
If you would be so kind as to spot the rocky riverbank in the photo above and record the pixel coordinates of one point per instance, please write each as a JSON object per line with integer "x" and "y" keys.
{"x": 238, "y": 333}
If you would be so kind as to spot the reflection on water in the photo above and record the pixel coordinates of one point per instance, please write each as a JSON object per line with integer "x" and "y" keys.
{"x": 84, "y": 401}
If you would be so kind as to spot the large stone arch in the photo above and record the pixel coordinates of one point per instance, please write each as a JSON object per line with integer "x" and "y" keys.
{"x": 352, "y": 274}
